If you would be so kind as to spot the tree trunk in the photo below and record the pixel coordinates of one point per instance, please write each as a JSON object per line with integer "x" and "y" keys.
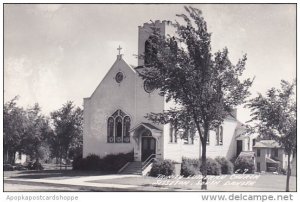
{"x": 203, "y": 161}
{"x": 288, "y": 174}
{"x": 60, "y": 159}
{"x": 13, "y": 157}
{"x": 66, "y": 160}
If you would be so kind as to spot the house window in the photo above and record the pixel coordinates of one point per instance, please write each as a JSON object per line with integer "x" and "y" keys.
{"x": 258, "y": 153}
{"x": 118, "y": 126}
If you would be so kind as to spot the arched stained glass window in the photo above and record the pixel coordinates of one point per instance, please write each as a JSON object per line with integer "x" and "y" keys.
{"x": 126, "y": 128}
{"x": 118, "y": 128}
{"x": 116, "y": 113}
{"x": 110, "y": 130}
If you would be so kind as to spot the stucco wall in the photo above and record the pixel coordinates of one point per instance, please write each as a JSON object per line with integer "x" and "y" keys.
{"x": 228, "y": 149}
{"x": 108, "y": 97}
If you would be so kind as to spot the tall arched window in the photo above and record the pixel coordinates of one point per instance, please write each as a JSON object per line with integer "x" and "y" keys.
{"x": 118, "y": 126}
{"x": 150, "y": 50}
{"x": 208, "y": 136}
{"x": 110, "y": 130}
{"x": 171, "y": 133}
{"x": 126, "y": 128}
{"x": 219, "y": 135}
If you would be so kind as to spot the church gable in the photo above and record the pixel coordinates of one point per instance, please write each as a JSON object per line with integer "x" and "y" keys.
{"x": 118, "y": 75}
{"x": 115, "y": 93}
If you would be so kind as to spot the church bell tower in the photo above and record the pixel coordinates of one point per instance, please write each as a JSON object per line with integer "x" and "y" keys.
{"x": 146, "y": 30}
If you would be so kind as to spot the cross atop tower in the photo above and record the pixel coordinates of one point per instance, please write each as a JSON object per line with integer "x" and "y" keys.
{"x": 119, "y": 56}
{"x": 119, "y": 49}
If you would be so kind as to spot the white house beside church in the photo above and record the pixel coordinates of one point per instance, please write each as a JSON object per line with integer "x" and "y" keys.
{"x": 114, "y": 118}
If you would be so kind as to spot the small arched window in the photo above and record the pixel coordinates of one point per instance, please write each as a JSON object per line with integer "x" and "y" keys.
{"x": 118, "y": 126}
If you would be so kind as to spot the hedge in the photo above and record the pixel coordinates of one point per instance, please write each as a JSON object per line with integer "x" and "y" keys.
{"x": 226, "y": 166}
{"x": 244, "y": 163}
{"x": 112, "y": 162}
{"x": 162, "y": 167}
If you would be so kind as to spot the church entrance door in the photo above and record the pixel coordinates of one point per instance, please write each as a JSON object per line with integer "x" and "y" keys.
{"x": 148, "y": 147}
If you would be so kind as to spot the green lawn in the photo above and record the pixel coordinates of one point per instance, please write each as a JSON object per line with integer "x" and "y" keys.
{"x": 237, "y": 182}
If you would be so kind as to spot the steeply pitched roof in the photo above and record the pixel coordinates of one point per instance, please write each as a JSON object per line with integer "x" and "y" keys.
{"x": 267, "y": 144}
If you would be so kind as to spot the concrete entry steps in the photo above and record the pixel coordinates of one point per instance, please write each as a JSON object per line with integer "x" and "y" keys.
{"x": 133, "y": 168}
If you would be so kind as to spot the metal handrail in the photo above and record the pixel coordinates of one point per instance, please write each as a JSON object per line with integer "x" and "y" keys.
{"x": 143, "y": 163}
{"x": 145, "y": 166}
{"x": 148, "y": 160}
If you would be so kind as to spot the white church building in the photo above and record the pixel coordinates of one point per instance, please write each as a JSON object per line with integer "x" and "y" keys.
{"x": 114, "y": 118}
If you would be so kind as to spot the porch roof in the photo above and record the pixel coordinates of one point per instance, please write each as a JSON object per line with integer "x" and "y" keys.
{"x": 267, "y": 144}
{"x": 146, "y": 125}
{"x": 269, "y": 160}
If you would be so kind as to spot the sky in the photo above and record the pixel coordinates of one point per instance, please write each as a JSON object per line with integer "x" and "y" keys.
{"x": 55, "y": 53}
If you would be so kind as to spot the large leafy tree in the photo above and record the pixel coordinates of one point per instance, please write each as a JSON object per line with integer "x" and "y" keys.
{"x": 37, "y": 131}
{"x": 25, "y": 131}
{"x": 274, "y": 116}
{"x": 67, "y": 122}
{"x": 206, "y": 87}
{"x": 14, "y": 127}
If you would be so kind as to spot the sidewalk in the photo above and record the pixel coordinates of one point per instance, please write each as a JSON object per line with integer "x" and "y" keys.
{"x": 83, "y": 183}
